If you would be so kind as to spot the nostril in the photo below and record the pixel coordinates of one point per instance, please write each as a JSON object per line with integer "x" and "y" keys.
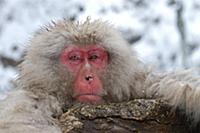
{"x": 89, "y": 78}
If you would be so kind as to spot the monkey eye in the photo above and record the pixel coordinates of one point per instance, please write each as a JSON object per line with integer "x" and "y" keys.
{"x": 93, "y": 57}
{"x": 74, "y": 58}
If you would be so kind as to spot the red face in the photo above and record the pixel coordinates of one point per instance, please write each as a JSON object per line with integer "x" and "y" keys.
{"x": 86, "y": 64}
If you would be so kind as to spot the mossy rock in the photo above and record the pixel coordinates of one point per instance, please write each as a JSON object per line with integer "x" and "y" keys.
{"x": 140, "y": 115}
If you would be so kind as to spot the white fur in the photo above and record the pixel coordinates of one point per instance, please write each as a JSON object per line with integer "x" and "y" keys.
{"x": 44, "y": 86}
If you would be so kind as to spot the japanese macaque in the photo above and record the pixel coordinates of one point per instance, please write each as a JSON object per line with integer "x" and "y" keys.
{"x": 91, "y": 63}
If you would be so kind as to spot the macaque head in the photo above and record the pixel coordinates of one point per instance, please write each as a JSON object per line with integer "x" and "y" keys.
{"x": 85, "y": 62}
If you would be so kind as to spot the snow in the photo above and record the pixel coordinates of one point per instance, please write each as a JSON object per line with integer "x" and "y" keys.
{"x": 160, "y": 43}
{"x": 5, "y": 77}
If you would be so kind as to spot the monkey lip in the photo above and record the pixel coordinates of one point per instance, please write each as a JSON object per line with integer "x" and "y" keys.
{"x": 89, "y": 98}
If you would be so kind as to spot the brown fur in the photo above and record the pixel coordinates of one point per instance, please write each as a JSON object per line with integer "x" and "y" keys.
{"x": 44, "y": 86}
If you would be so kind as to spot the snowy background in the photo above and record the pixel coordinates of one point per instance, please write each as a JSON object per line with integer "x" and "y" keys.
{"x": 165, "y": 33}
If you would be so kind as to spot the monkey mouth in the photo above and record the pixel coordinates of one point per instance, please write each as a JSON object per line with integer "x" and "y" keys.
{"x": 89, "y": 98}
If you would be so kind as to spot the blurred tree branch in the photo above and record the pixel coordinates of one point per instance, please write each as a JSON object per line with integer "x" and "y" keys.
{"x": 131, "y": 36}
{"x": 7, "y": 61}
{"x": 181, "y": 29}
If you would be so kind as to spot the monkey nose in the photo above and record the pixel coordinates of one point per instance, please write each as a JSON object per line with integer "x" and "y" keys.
{"x": 89, "y": 78}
